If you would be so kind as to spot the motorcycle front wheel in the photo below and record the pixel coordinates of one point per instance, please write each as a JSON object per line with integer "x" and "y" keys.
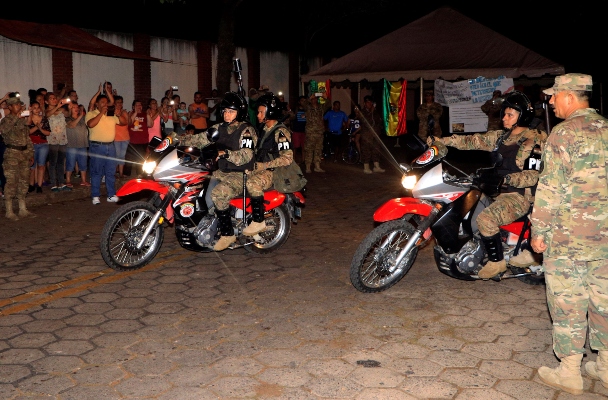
{"x": 373, "y": 268}
{"x": 123, "y": 231}
{"x": 278, "y": 228}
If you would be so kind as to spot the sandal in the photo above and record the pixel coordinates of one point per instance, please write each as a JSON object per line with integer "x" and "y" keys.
{"x": 69, "y": 185}
{"x": 85, "y": 184}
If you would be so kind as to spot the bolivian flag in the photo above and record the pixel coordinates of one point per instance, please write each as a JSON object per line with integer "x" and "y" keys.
{"x": 394, "y": 107}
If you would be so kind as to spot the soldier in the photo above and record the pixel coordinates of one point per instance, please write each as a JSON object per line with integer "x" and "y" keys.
{"x": 569, "y": 225}
{"x": 315, "y": 130}
{"x": 273, "y": 150}
{"x": 18, "y": 157}
{"x": 429, "y": 114}
{"x": 492, "y": 109}
{"x": 520, "y": 148}
{"x": 238, "y": 139}
{"x": 371, "y": 124}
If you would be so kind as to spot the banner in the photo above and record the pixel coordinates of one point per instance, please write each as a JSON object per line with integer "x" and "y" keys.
{"x": 394, "y": 101}
{"x": 465, "y": 99}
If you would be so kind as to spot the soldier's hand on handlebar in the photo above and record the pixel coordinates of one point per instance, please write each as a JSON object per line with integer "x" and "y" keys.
{"x": 430, "y": 140}
{"x": 259, "y": 166}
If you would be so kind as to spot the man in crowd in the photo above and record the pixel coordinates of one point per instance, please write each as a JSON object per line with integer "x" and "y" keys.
{"x": 570, "y": 225}
{"x": 199, "y": 113}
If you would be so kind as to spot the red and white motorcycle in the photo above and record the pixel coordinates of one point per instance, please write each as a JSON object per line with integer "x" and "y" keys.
{"x": 443, "y": 207}
{"x": 179, "y": 186}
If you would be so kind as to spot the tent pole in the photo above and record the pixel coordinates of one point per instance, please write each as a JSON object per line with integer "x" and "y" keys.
{"x": 421, "y": 90}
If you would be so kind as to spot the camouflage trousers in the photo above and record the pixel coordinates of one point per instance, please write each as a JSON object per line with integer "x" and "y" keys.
{"x": 505, "y": 209}
{"x": 17, "y": 172}
{"x": 369, "y": 148}
{"x": 575, "y": 289}
{"x": 230, "y": 186}
{"x": 258, "y": 181}
{"x": 313, "y": 148}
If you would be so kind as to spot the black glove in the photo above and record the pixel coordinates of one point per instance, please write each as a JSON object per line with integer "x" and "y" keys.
{"x": 489, "y": 182}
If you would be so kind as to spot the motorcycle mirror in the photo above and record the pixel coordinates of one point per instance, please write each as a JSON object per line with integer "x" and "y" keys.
{"x": 213, "y": 134}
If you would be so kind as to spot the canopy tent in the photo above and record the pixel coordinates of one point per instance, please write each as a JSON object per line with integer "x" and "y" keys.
{"x": 443, "y": 44}
{"x": 65, "y": 37}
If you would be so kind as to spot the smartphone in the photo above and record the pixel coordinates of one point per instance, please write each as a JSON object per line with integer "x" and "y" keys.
{"x": 25, "y": 113}
{"x": 175, "y": 88}
{"x": 172, "y": 102}
{"x": 111, "y": 111}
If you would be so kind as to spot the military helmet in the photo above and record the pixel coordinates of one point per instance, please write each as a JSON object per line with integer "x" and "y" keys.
{"x": 520, "y": 102}
{"x": 274, "y": 106}
{"x": 234, "y": 101}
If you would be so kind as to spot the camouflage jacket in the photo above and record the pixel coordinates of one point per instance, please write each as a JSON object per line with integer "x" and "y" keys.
{"x": 423, "y": 112}
{"x": 15, "y": 132}
{"x": 237, "y": 156}
{"x": 571, "y": 206}
{"x": 315, "y": 125}
{"x": 528, "y": 138}
{"x": 371, "y": 121}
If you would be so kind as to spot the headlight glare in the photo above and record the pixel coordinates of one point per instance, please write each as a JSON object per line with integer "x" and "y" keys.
{"x": 409, "y": 181}
{"x": 149, "y": 167}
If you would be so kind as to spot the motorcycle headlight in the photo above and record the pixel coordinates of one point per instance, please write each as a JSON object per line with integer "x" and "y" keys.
{"x": 409, "y": 181}
{"x": 149, "y": 167}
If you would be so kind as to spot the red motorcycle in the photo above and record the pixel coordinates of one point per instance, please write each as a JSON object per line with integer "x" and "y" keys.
{"x": 443, "y": 207}
{"x": 179, "y": 185}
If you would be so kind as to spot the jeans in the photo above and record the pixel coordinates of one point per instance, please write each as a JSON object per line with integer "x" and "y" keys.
{"x": 121, "y": 150}
{"x": 76, "y": 155}
{"x": 41, "y": 154}
{"x": 103, "y": 163}
{"x": 57, "y": 164}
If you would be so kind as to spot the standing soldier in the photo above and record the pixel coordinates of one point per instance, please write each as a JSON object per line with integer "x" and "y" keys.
{"x": 273, "y": 150}
{"x": 569, "y": 224}
{"x": 372, "y": 124}
{"x": 238, "y": 139}
{"x": 18, "y": 157}
{"x": 315, "y": 130}
{"x": 429, "y": 113}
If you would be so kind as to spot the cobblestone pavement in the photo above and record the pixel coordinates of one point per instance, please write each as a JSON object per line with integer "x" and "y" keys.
{"x": 233, "y": 325}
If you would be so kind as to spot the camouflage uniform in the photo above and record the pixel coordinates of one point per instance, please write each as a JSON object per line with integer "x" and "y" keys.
{"x": 511, "y": 205}
{"x": 231, "y": 183}
{"x": 315, "y": 129}
{"x": 261, "y": 179}
{"x": 570, "y": 213}
{"x": 17, "y": 157}
{"x": 371, "y": 126}
{"x": 423, "y": 112}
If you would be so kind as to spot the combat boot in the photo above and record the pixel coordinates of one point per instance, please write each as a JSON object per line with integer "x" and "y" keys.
{"x": 377, "y": 167}
{"x": 366, "y": 169}
{"x": 308, "y": 170}
{"x": 257, "y": 224}
{"x": 524, "y": 259}
{"x": 318, "y": 167}
{"x": 23, "y": 212}
{"x": 9, "y": 210}
{"x": 598, "y": 369}
{"x": 567, "y": 376}
{"x": 496, "y": 262}
{"x": 226, "y": 229}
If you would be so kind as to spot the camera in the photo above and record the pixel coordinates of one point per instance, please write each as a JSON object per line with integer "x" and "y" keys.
{"x": 25, "y": 113}
{"x": 175, "y": 88}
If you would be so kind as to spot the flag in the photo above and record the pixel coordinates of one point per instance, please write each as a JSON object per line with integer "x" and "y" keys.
{"x": 395, "y": 121}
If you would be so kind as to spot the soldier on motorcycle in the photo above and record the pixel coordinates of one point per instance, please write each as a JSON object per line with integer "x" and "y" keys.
{"x": 237, "y": 141}
{"x": 520, "y": 148}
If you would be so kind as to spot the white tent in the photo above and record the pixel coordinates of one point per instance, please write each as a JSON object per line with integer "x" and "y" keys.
{"x": 443, "y": 44}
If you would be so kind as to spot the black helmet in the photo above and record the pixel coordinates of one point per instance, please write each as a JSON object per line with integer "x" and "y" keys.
{"x": 274, "y": 106}
{"x": 520, "y": 102}
{"x": 234, "y": 101}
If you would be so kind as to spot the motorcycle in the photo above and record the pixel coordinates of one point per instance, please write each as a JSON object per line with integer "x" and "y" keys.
{"x": 180, "y": 182}
{"x": 444, "y": 205}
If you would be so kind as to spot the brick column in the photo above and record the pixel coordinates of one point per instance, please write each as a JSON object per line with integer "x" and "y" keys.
{"x": 63, "y": 70}
{"x": 142, "y": 74}
{"x": 204, "y": 67}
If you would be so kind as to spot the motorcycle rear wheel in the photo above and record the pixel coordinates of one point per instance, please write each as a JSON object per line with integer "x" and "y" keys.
{"x": 278, "y": 228}
{"x": 372, "y": 268}
{"x": 123, "y": 230}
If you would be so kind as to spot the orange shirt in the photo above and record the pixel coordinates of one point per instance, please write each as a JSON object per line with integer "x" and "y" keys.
{"x": 199, "y": 123}
{"x": 122, "y": 132}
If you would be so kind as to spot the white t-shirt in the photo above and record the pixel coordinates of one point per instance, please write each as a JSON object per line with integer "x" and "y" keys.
{"x": 212, "y": 115}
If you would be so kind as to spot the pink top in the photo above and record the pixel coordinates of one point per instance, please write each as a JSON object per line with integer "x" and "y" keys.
{"x": 155, "y": 130}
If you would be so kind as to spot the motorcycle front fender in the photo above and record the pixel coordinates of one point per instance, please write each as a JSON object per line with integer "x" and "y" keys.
{"x": 137, "y": 185}
{"x": 397, "y": 208}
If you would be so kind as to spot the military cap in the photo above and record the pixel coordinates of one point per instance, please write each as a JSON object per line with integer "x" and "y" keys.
{"x": 13, "y": 100}
{"x": 571, "y": 82}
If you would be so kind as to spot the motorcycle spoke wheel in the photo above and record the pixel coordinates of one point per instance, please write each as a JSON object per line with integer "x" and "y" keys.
{"x": 278, "y": 228}
{"x": 122, "y": 232}
{"x": 373, "y": 267}
{"x": 350, "y": 155}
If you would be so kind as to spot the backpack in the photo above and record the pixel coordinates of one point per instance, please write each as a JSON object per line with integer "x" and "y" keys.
{"x": 287, "y": 179}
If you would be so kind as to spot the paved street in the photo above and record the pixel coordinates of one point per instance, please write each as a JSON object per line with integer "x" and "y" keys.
{"x": 234, "y": 325}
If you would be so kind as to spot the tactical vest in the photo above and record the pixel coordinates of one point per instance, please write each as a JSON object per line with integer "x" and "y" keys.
{"x": 231, "y": 142}
{"x": 268, "y": 148}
